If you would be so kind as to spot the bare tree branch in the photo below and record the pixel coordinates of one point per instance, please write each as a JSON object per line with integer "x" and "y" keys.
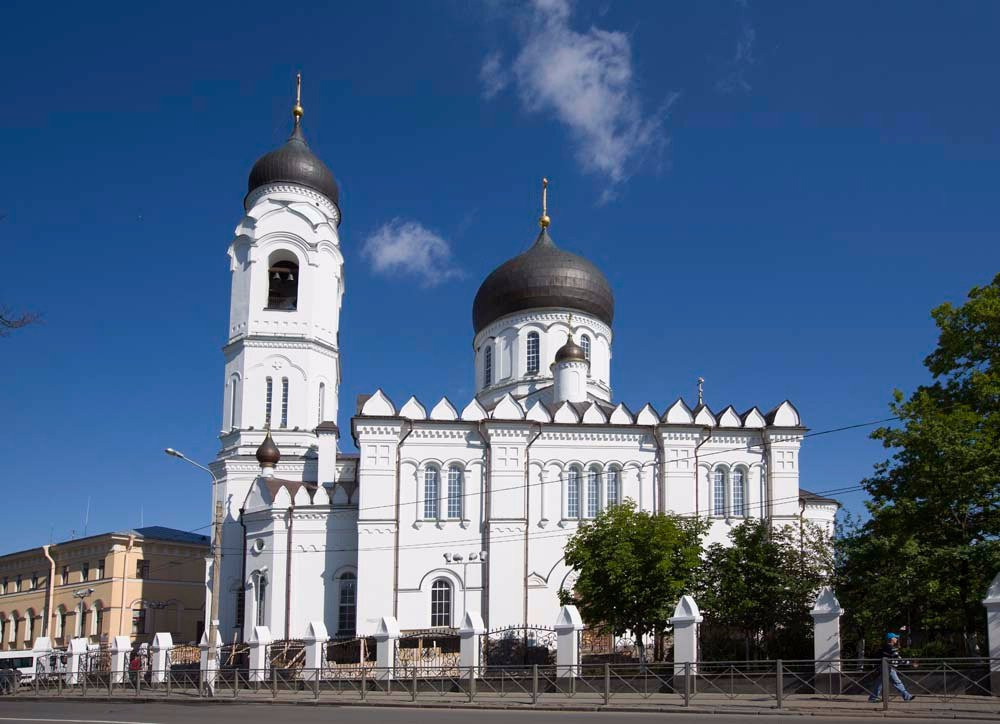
{"x": 10, "y": 322}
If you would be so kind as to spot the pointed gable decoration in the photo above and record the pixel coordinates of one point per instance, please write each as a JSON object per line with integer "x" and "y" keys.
{"x": 538, "y": 412}
{"x": 413, "y": 410}
{"x": 729, "y": 418}
{"x": 508, "y": 409}
{"x": 621, "y": 415}
{"x": 753, "y": 419}
{"x": 474, "y": 412}
{"x": 678, "y": 413}
{"x": 565, "y": 413}
{"x": 378, "y": 405}
{"x": 444, "y": 410}
{"x": 703, "y": 416}
{"x": 594, "y": 415}
{"x": 784, "y": 415}
{"x": 647, "y": 416}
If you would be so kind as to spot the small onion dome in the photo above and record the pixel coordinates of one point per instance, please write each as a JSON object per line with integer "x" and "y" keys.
{"x": 543, "y": 276}
{"x": 294, "y": 163}
{"x": 268, "y": 454}
{"x": 571, "y": 352}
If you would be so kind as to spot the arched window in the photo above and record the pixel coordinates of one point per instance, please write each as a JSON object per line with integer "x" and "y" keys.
{"x": 234, "y": 392}
{"x": 719, "y": 492}
{"x": 78, "y": 620}
{"x": 738, "y": 496}
{"x": 283, "y": 285}
{"x": 347, "y": 609}
{"x": 268, "y": 398}
{"x": 99, "y": 621}
{"x": 261, "y": 600}
{"x": 488, "y": 364}
{"x": 441, "y": 603}
{"x": 585, "y": 343}
{"x": 532, "y": 353}
{"x": 284, "y": 402}
{"x": 573, "y": 493}
{"x": 432, "y": 485}
{"x": 322, "y": 402}
{"x": 455, "y": 492}
{"x": 593, "y": 491}
{"x": 61, "y": 622}
{"x": 614, "y": 486}
{"x": 29, "y": 626}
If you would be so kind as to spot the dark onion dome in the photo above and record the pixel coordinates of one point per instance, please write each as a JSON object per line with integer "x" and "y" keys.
{"x": 268, "y": 454}
{"x": 571, "y": 352}
{"x": 543, "y": 276}
{"x": 294, "y": 163}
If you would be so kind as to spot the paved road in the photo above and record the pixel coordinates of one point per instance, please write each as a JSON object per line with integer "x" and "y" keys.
{"x": 156, "y": 713}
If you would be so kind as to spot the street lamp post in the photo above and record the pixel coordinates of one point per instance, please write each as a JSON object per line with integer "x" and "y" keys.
{"x": 465, "y": 561}
{"x": 213, "y": 624}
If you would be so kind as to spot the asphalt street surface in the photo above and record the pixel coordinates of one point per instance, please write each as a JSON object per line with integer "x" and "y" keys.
{"x": 156, "y": 713}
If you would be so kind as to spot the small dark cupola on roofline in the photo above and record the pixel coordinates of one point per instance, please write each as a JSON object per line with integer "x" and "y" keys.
{"x": 294, "y": 163}
{"x": 268, "y": 455}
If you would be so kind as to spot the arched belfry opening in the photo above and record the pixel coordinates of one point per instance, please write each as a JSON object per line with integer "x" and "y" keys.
{"x": 282, "y": 282}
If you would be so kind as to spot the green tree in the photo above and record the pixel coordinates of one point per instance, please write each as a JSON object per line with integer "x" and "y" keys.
{"x": 632, "y": 568}
{"x": 930, "y": 546}
{"x": 763, "y": 585}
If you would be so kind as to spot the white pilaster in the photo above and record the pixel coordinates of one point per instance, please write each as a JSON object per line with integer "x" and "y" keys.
{"x": 685, "y": 621}
{"x": 568, "y": 625}
{"x": 162, "y": 643}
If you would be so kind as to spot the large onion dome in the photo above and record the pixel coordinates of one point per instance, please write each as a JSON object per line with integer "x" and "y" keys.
{"x": 543, "y": 276}
{"x": 294, "y": 163}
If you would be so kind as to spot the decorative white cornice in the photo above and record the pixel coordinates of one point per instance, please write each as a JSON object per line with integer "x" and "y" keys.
{"x": 548, "y": 317}
{"x": 285, "y": 188}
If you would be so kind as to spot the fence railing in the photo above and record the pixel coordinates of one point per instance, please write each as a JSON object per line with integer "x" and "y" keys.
{"x": 765, "y": 684}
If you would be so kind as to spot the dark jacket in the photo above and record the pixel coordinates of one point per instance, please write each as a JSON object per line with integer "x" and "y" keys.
{"x": 888, "y": 651}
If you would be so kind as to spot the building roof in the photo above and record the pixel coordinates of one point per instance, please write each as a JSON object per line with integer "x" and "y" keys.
{"x": 150, "y": 532}
{"x": 807, "y": 496}
{"x": 294, "y": 163}
{"x": 543, "y": 276}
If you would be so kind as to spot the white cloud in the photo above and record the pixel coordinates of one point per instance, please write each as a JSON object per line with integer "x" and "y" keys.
{"x": 735, "y": 80}
{"x": 409, "y": 248}
{"x": 586, "y": 80}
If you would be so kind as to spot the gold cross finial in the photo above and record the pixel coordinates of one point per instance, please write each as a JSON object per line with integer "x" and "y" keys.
{"x": 297, "y": 109}
{"x": 544, "y": 221}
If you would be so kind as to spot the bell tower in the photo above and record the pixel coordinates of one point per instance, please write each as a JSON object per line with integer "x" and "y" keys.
{"x": 282, "y": 358}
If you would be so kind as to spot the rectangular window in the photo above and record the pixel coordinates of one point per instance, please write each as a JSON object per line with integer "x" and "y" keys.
{"x": 431, "y": 494}
{"x": 719, "y": 493}
{"x": 3, "y": 589}
{"x": 142, "y": 569}
{"x": 347, "y": 613}
{"x": 138, "y": 621}
{"x": 100, "y": 569}
{"x": 99, "y": 622}
{"x": 64, "y": 575}
{"x": 34, "y": 581}
{"x": 85, "y": 571}
{"x": 241, "y": 606}
{"x": 532, "y": 353}
{"x": 18, "y": 583}
{"x": 454, "y": 492}
{"x": 593, "y": 493}
{"x": 614, "y": 486}
{"x": 488, "y": 364}
{"x": 284, "y": 402}
{"x": 737, "y": 497}
{"x": 573, "y": 494}
{"x": 268, "y": 397}
{"x": 441, "y": 603}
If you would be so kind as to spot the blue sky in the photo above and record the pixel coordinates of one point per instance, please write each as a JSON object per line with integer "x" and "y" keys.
{"x": 778, "y": 192}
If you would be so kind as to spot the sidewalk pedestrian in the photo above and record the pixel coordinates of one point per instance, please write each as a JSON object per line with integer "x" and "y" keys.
{"x": 890, "y": 653}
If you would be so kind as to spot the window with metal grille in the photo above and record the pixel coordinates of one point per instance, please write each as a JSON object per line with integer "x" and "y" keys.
{"x": 431, "y": 488}
{"x": 738, "y": 497}
{"x": 347, "y": 610}
{"x": 455, "y": 492}
{"x": 719, "y": 493}
{"x": 441, "y": 603}
{"x": 532, "y": 355}
{"x": 268, "y": 397}
{"x": 614, "y": 486}
{"x": 284, "y": 402}
{"x": 488, "y": 365}
{"x": 593, "y": 492}
{"x": 573, "y": 493}
{"x": 241, "y": 606}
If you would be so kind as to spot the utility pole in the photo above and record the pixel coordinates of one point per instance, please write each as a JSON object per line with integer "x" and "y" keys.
{"x": 213, "y": 625}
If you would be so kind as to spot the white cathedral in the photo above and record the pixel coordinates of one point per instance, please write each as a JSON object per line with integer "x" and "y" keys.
{"x": 453, "y": 506}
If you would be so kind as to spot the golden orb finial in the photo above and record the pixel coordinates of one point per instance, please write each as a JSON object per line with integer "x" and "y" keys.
{"x": 544, "y": 221}
{"x": 297, "y": 109}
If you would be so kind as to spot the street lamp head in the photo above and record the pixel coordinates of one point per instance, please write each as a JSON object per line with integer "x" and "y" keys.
{"x": 173, "y": 453}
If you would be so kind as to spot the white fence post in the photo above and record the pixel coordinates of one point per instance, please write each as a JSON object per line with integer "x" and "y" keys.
{"x": 162, "y": 643}
{"x": 992, "y": 603}
{"x": 42, "y": 649}
{"x": 74, "y": 656}
{"x": 120, "y": 648}
{"x": 472, "y": 628}
{"x": 568, "y": 626}
{"x": 387, "y": 639}
{"x": 685, "y": 622}
{"x": 210, "y": 665}
{"x": 826, "y": 613}
{"x": 316, "y": 638}
{"x": 260, "y": 639}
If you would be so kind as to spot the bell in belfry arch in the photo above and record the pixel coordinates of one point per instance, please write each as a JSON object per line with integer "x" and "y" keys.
{"x": 291, "y": 277}
{"x": 276, "y": 276}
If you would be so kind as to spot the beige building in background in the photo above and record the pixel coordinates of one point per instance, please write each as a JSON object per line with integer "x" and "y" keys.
{"x": 133, "y": 583}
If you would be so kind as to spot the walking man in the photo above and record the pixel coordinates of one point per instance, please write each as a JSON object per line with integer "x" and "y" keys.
{"x": 890, "y": 653}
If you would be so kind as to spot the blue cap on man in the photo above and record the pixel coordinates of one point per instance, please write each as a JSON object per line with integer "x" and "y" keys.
{"x": 890, "y": 636}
